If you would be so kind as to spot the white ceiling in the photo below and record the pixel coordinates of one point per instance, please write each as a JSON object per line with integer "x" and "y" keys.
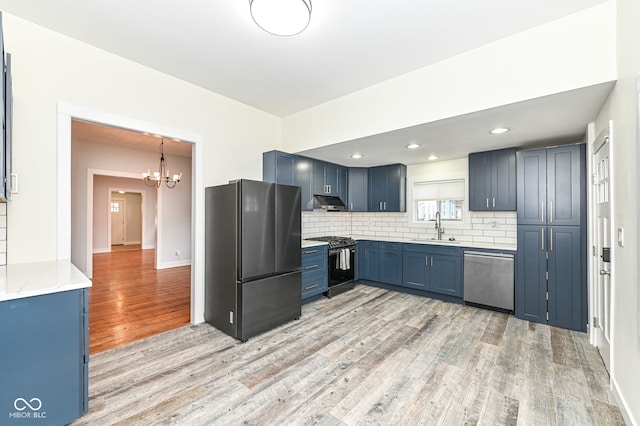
{"x": 349, "y": 45}
{"x": 82, "y": 131}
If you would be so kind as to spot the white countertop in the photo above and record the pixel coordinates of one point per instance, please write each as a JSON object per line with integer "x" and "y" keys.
{"x": 307, "y": 243}
{"x": 22, "y": 280}
{"x": 456, "y": 243}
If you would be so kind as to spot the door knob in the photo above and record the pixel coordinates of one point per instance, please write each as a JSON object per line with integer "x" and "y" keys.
{"x": 603, "y": 272}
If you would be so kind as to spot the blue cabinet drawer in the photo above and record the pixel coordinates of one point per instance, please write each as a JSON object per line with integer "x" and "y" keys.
{"x": 313, "y": 263}
{"x": 314, "y": 283}
{"x": 314, "y": 250}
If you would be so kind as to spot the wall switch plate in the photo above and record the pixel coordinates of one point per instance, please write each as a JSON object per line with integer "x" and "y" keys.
{"x": 621, "y": 237}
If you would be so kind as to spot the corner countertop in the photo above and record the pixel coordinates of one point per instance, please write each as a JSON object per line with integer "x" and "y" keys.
{"x": 21, "y": 280}
{"x": 456, "y": 243}
{"x": 308, "y": 243}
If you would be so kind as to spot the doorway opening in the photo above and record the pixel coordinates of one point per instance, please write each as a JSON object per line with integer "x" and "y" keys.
{"x": 142, "y": 292}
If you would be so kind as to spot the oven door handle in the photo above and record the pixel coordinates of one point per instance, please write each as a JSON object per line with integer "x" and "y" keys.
{"x": 337, "y": 251}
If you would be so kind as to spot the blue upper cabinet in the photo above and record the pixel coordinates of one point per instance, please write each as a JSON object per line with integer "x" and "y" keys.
{"x": 387, "y": 188}
{"x": 566, "y": 179}
{"x": 330, "y": 179}
{"x": 303, "y": 177}
{"x": 492, "y": 180}
{"x": 278, "y": 167}
{"x": 550, "y": 184}
{"x": 532, "y": 187}
{"x": 358, "y": 183}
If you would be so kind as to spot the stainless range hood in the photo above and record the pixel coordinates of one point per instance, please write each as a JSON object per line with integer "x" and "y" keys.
{"x": 330, "y": 204}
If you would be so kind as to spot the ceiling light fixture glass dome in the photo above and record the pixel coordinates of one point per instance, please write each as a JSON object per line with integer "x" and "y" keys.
{"x": 281, "y": 17}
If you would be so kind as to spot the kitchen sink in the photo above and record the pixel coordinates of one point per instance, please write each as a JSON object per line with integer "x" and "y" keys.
{"x": 433, "y": 240}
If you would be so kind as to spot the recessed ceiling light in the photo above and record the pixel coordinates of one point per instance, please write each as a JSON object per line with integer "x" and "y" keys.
{"x": 432, "y": 157}
{"x": 413, "y": 146}
{"x": 499, "y": 130}
{"x": 356, "y": 156}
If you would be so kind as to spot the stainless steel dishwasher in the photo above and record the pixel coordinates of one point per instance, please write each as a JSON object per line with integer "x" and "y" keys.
{"x": 489, "y": 279}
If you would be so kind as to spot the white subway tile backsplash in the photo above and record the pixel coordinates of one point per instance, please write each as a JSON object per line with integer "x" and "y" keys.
{"x": 490, "y": 227}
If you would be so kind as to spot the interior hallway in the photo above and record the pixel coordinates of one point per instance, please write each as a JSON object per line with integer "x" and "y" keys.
{"x": 130, "y": 300}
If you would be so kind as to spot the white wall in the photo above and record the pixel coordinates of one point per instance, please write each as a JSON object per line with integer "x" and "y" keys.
{"x": 49, "y": 67}
{"x": 622, "y": 108}
{"x": 548, "y": 59}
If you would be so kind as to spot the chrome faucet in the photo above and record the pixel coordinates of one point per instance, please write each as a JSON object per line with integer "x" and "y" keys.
{"x": 439, "y": 228}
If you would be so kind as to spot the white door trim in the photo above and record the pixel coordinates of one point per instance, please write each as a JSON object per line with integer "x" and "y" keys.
{"x": 594, "y": 144}
{"x": 68, "y": 111}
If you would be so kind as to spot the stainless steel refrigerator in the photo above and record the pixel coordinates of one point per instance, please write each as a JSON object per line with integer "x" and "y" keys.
{"x": 252, "y": 250}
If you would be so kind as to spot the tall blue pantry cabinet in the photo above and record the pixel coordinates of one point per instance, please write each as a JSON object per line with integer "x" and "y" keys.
{"x": 551, "y": 273}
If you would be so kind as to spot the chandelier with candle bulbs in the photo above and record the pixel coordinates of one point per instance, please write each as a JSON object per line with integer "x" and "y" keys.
{"x": 163, "y": 174}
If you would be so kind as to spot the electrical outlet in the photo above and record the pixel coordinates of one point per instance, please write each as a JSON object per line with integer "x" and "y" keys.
{"x": 177, "y": 252}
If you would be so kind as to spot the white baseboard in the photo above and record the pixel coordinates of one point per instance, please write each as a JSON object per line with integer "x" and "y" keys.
{"x": 174, "y": 264}
{"x": 129, "y": 243}
{"x": 102, "y": 250}
{"x": 148, "y": 246}
{"x": 622, "y": 403}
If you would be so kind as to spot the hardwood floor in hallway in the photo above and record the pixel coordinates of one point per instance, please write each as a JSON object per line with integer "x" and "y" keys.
{"x": 130, "y": 300}
{"x": 367, "y": 356}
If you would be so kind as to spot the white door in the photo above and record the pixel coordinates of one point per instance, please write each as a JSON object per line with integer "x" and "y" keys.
{"x": 602, "y": 240}
{"x": 117, "y": 221}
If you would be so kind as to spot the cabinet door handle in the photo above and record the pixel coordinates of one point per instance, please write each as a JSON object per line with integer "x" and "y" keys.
{"x": 550, "y": 239}
{"x": 426, "y": 260}
{"x": 380, "y": 205}
{"x": 431, "y": 260}
{"x": 351, "y": 206}
{"x": 542, "y": 211}
{"x": 311, "y": 267}
{"x": 328, "y": 189}
{"x": 309, "y": 287}
{"x": 542, "y": 240}
{"x": 310, "y": 251}
{"x": 385, "y": 205}
{"x": 487, "y": 203}
{"x": 494, "y": 202}
{"x": 550, "y": 211}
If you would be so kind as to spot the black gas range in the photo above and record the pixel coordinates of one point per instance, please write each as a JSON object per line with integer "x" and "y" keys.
{"x": 341, "y": 263}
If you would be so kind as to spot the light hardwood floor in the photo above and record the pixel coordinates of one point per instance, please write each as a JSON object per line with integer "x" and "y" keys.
{"x": 130, "y": 300}
{"x": 368, "y": 356}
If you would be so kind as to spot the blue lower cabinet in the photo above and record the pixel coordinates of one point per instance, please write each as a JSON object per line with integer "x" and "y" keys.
{"x": 445, "y": 274}
{"x": 433, "y": 268}
{"x": 315, "y": 278}
{"x": 415, "y": 268}
{"x": 368, "y": 252}
{"x": 390, "y": 263}
{"x": 44, "y": 359}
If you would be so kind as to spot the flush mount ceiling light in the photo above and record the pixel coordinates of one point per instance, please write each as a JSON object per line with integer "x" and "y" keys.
{"x": 432, "y": 157}
{"x": 356, "y": 156}
{"x": 162, "y": 175}
{"x": 281, "y": 17}
{"x": 413, "y": 146}
{"x": 499, "y": 130}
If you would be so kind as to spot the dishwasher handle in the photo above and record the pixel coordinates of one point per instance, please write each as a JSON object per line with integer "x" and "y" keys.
{"x": 485, "y": 254}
